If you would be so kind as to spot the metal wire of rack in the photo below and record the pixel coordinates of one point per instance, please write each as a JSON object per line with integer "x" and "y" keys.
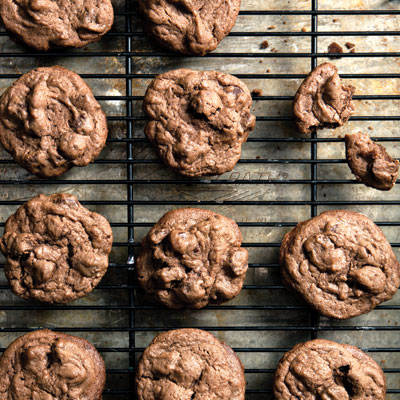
{"x": 122, "y": 342}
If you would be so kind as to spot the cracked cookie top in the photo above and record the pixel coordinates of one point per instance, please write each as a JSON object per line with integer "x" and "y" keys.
{"x": 189, "y": 26}
{"x": 47, "y": 365}
{"x": 322, "y": 100}
{"x": 192, "y": 257}
{"x": 44, "y": 24}
{"x": 56, "y": 250}
{"x": 50, "y": 122}
{"x": 340, "y": 263}
{"x": 370, "y": 162}
{"x": 198, "y": 121}
{"x": 189, "y": 364}
{"x": 322, "y": 369}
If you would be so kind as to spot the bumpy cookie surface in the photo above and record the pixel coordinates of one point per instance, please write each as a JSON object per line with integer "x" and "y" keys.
{"x": 340, "y": 263}
{"x": 189, "y": 364}
{"x": 56, "y": 250}
{"x": 198, "y": 121}
{"x": 50, "y": 121}
{"x": 192, "y": 257}
{"x": 49, "y": 365}
{"x": 322, "y": 369}
{"x": 370, "y": 162}
{"x": 43, "y": 24}
{"x": 322, "y": 100}
{"x": 190, "y": 26}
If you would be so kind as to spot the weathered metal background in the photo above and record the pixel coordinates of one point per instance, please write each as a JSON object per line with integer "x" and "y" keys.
{"x": 283, "y": 178}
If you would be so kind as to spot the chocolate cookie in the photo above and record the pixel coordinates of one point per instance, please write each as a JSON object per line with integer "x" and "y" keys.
{"x": 189, "y": 364}
{"x": 192, "y": 257}
{"x": 340, "y": 263}
{"x": 43, "y": 24}
{"x": 189, "y": 27}
{"x": 56, "y": 250}
{"x": 198, "y": 121}
{"x": 321, "y": 369}
{"x": 50, "y": 121}
{"x": 370, "y": 162}
{"x": 322, "y": 101}
{"x": 47, "y": 365}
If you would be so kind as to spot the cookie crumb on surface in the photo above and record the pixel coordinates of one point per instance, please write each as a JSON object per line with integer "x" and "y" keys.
{"x": 257, "y": 92}
{"x": 350, "y": 45}
{"x": 304, "y": 29}
{"x": 272, "y": 27}
{"x": 268, "y": 70}
{"x": 370, "y": 128}
{"x": 335, "y": 48}
{"x": 334, "y": 20}
{"x": 264, "y": 44}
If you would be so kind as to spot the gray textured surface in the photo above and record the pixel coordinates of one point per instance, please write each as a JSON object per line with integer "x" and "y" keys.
{"x": 116, "y": 317}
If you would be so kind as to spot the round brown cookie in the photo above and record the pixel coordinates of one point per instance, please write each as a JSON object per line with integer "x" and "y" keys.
{"x": 189, "y": 26}
{"x": 321, "y": 369}
{"x": 192, "y": 257}
{"x": 340, "y": 263}
{"x": 56, "y": 250}
{"x": 50, "y": 121}
{"x": 189, "y": 364}
{"x": 322, "y": 101}
{"x": 370, "y": 162}
{"x": 49, "y": 365}
{"x": 198, "y": 121}
{"x": 43, "y": 24}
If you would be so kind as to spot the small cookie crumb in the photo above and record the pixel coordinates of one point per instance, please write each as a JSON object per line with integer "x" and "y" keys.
{"x": 371, "y": 128}
{"x": 257, "y": 92}
{"x": 353, "y": 50}
{"x": 334, "y": 20}
{"x": 350, "y": 45}
{"x": 304, "y": 29}
{"x": 274, "y": 50}
{"x": 268, "y": 70}
{"x": 335, "y": 48}
{"x": 264, "y": 44}
{"x": 272, "y": 27}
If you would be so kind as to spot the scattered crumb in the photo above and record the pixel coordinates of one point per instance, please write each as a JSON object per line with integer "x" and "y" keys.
{"x": 257, "y": 92}
{"x": 334, "y": 20}
{"x": 264, "y": 44}
{"x": 350, "y": 45}
{"x": 284, "y": 22}
{"x": 340, "y": 136}
{"x": 258, "y": 157}
{"x": 268, "y": 70}
{"x": 261, "y": 61}
{"x": 371, "y": 128}
{"x": 335, "y": 48}
{"x": 304, "y": 29}
{"x": 274, "y": 50}
{"x": 272, "y": 27}
{"x": 285, "y": 41}
{"x": 353, "y": 50}
{"x": 279, "y": 113}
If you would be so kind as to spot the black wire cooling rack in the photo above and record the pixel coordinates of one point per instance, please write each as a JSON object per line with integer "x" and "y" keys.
{"x": 121, "y": 343}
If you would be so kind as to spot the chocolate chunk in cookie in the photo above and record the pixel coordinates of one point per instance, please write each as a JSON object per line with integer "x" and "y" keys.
{"x": 322, "y": 369}
{"x": 198, "y": 121}
{"x": 192, "y": 257}
{"x": 322, "y": 101}
{"x": 187, "y": 26}
{"x": 50, "y": 121}
{"x": 189, "y": 364}
{"x": 47, "y": 365}
{"x": 370, "y": 162}
{"x": 44, "y": 24}
{"x": 340, "y": 263}
{"x": 56, "y": 250}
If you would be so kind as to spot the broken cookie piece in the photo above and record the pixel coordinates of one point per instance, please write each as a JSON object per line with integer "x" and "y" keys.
{"x": 370, "y": 162}
{"x": 322, "y": 101}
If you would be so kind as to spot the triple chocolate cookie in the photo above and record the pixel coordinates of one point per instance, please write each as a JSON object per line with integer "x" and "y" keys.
{"x": 198, "y": 121}
{"x": 189, "y": 364}
{"x": 189, "y": 27}
{"x": 322, "y": 369}
{"x": 43, "y": 24}
{"x": 50, "y": 121}
{"x": 370, "y": 162}
{"x": 47, "y": 365}
{"x": 322, "y": 101}
{"x": 192, "y": 257}
{"x": 56, "y": 250}
{"x": 340, "y": 263}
